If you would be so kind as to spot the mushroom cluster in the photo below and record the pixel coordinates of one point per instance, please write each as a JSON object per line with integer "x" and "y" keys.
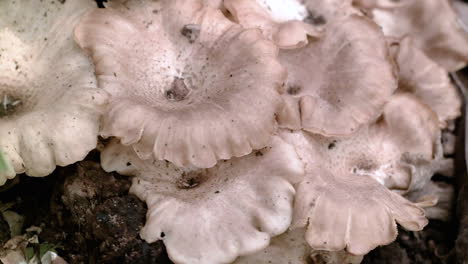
{"x": 256, "y": 131}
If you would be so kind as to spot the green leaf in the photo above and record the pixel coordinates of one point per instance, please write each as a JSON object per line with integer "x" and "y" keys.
{"x": 29, "y": 253}
{"x": 3, "y": 163}
{"x": 6, "y": 206}
{"x": 43, "y": 248}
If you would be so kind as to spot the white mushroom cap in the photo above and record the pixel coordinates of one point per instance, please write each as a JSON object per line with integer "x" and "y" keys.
{"x": 424, "y": 78}
{"x": 279, "y": 20}
{"x": 214, "y": 215}
{"x": 340, "y": 201}
{"x": 434, "y": 26}
{"x": 49, "y": 104}
{"x": 340, "y": 81}
{"x": 187, "y": 85}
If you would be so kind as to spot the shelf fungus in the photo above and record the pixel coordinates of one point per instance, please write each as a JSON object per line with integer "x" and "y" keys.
{"x": 49, "y": 103}
{"x": 340, "y": 81}
{"x": 434, "y": 27}
{"x": 213, "y": 215}
{"x": 347, "y": 176}
{"x": 187, "y": 85}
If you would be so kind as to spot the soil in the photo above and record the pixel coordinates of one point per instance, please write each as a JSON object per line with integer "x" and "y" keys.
{"x": 86, "y": 213}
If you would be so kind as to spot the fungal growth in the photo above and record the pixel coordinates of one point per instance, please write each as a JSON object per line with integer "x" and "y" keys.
{"x": 434, "y": 27}
{"x": 46, "y": 82}
{"x": 352, "y": 177}
{"x": 189, "y": 87}
{"x": 216, "y": 214}
{"x": 256, "y": 131}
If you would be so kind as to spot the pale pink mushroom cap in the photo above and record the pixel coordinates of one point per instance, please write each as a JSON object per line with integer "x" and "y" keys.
{"x": 434, "y": 26}
{"x": 279, "y": 20}
{"x": 213, "y": 215}
{"x": 187, "y": 85}
{"x": 343, "y": 201}
{"x": 424, "y": 78}
{"x": 49, "y": 104}
{"x": 340, "y": 81}
{"x": 292, "y": 248}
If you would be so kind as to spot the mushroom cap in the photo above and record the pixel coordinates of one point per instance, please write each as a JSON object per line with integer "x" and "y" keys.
{"x": 214, "y": 215}
{"x": 291, "y": 248}
{"x": 49, "y": 103}
{"x": 340, "y": 81}
{"x": 279, "y": 20}
{"x": 342, "y": 201}
{"x": 424, "y": 78}
{"x": 434, "y": 26}
{"x": 187, "y": 85}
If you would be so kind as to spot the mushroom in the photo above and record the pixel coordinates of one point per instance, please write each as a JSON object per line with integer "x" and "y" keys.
{"x": 213, "y": 215}
{"x": 343, "y": 200}
{"x": 49, "y": 103}
{"x": 279, "y": 20}
{"x": 187, "y": 85}
{"x": 424, "y": 78}
{"x": 434, "y": 27}
{"x": 339, "y": 82}
{"x": 291, "y": 248}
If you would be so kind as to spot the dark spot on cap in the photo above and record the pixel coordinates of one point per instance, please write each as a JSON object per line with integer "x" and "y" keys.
{"x": 191, "y": 32}
{"x": 162, "y": 234}
{"x": 315, "y": 19}
{"x": 8, "y": 105}
{"x": 190, "y": 180}
{"x": 332, "y": 145}
{"x": 258, "y": 153}
{"x": 178, "y": 90}
{"x": 294, "y": 89}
